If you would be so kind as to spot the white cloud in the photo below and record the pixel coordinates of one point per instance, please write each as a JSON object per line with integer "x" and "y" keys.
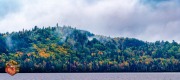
{"x": 6, "y": 8}
{"x": 127, "y": 18}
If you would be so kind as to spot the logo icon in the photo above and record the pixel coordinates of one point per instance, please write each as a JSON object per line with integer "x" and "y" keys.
{"x": 12, "y": 67}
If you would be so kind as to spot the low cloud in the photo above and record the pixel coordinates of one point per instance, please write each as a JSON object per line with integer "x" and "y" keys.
{"x": 149, "y": 20}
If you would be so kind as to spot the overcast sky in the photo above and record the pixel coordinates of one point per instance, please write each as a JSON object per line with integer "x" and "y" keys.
{"x": 148, "y": 20}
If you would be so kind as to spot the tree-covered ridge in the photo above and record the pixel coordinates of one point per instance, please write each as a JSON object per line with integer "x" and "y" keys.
{"x": 66, "y": 49}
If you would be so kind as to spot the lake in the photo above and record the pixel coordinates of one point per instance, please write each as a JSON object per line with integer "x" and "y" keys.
{"x": 91, "y": 76}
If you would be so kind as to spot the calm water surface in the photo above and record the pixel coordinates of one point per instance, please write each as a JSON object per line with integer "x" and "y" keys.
{"x": 91, "y": 76}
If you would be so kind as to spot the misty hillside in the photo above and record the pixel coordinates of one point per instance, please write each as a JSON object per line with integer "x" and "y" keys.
{"x": 66, "y": 49}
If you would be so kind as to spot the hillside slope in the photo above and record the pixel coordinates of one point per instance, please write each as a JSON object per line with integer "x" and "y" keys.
{"x": 66, "y": 49}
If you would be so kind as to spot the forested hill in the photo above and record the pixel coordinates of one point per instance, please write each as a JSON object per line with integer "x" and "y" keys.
{"x": 66, "y": 49}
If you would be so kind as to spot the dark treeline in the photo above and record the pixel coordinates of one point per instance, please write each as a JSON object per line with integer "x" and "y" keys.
{"x": 66, "y": 49}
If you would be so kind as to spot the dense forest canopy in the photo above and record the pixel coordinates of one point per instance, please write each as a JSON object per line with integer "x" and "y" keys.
{"x": 66, "y": 49}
